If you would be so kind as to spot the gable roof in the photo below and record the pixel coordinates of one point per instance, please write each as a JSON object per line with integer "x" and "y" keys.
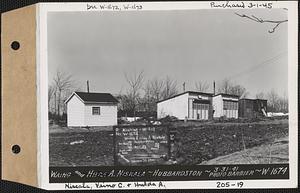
{"x": 89, "y": 97}
{"x": 190, "y": 92}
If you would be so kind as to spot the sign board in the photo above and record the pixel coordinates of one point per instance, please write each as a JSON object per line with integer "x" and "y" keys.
{"x": 141, "y": 145}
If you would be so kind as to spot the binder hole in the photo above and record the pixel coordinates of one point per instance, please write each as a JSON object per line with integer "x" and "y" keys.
{"x": 16, "y": 149}
{"x": 15, "y": 45}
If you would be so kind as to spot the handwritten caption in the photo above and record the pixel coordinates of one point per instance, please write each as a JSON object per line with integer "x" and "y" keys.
{"x": 230, "y": 184}
{"x": 113, "y": 7}
{"x": 241, "y": 4}
{"x": 154, "y": 178}
{"x": 117, "y": 185}
{"x": 213, "y": 4}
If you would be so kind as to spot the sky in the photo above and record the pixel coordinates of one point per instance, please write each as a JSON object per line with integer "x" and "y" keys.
{"x": 187, "y": 46}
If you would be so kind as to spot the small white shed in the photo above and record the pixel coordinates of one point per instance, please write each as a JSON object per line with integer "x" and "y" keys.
{"x": 85, "y": 109}
{"x": 189, "y": 105}
{"x": 225, "y": 105}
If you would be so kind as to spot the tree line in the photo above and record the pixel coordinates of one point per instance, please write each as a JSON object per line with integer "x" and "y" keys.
{"x": 59, "y": 89}
{"x": 141, "y": 96}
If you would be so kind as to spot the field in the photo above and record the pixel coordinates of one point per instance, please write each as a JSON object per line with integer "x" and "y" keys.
{"x": 235, "y": 142}
{"x": 81, "y": 148}
{"x": 276, "y": 152}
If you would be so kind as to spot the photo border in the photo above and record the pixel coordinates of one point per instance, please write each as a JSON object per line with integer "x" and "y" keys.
{"x": 42, "y": 85}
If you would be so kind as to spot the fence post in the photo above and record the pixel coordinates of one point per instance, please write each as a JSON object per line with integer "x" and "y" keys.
{"x": 115, "y": 146}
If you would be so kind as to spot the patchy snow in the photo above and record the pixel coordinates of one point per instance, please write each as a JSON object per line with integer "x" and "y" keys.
{"x": 76, "y": 142}
{"x": 156, "y": 122}
{"x": 130, "y": 119}
{"x": 272, "y": 114}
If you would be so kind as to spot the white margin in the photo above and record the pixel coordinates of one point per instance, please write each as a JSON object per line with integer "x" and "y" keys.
{"x": 42, "y": 81}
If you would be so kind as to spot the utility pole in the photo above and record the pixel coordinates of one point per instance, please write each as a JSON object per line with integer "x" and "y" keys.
{"x": 214, "y": 87}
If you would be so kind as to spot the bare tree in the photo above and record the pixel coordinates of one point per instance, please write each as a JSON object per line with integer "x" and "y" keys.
{"x": 135, "y": 82}
{"x": 260, "y": 20}
{"x": 277, "y": 103}
{"x": 63, "y": 83}
{"x": 227, "y": 87}
{"x": 283, "y": 103}
{"x": 170, "y": 88}
{"x": 129, "y": 102}
{"x": 273, "y": 99}
{"x": 125, "y": 102}
{"x": 156, "y": 89}
{"x": 238, "y": 90}
{"x": 260, "y": 95}
{"x": 201, "y": 86}
{"x": 153, "y": 93}
{"x": 224, "y": 86}
{"x": 51, "y": 91}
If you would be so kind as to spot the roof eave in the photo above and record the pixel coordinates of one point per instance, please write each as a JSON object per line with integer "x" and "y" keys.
{"x": 224, "y": 94}
{"x": 74, "y": 93}
{"x": 93, "y": 102}
{"x": 195, "y": 92}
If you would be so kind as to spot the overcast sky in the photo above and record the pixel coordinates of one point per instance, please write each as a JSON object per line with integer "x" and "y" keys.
{"x": 187, "y": 46}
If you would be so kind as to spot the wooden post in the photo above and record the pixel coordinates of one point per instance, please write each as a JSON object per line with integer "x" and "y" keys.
{"x": 214, "y": 86}
{"x": 169, "y": 142}
{"x": 115, "y": 157}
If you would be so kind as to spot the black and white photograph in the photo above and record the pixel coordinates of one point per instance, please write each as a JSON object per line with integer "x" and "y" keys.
{"x": 150, "y": 95}
{"x": 168, "y": 88}
{"x": 217, "y": 78}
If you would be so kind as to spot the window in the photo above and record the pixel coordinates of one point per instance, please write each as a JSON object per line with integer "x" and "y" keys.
{"x": 96, "y": 110}
{"x": 225, "y": 104}
{"x": 230, "y": 105}
{"x": 236, "y": 106}
{"x": 199, "y": 106}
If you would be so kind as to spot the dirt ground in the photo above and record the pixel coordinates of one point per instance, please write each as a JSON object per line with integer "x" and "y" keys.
{"x": 197, "y": 143}
{"x": 200, "y": 143}
{"x": 276, "y": 152}
{"x": 81, "y": 148}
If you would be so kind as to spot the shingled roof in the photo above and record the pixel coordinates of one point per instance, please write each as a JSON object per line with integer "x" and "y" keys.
{"x": 90, "y": 97}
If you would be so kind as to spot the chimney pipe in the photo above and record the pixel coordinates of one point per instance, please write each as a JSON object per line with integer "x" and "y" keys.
{"x": 214, "y": 88}
{"x": 88, "y": 86}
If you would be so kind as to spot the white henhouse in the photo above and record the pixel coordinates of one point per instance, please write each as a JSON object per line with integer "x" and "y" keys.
{"x": 85, "y": 109}
{"x": 193, "y": 105}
